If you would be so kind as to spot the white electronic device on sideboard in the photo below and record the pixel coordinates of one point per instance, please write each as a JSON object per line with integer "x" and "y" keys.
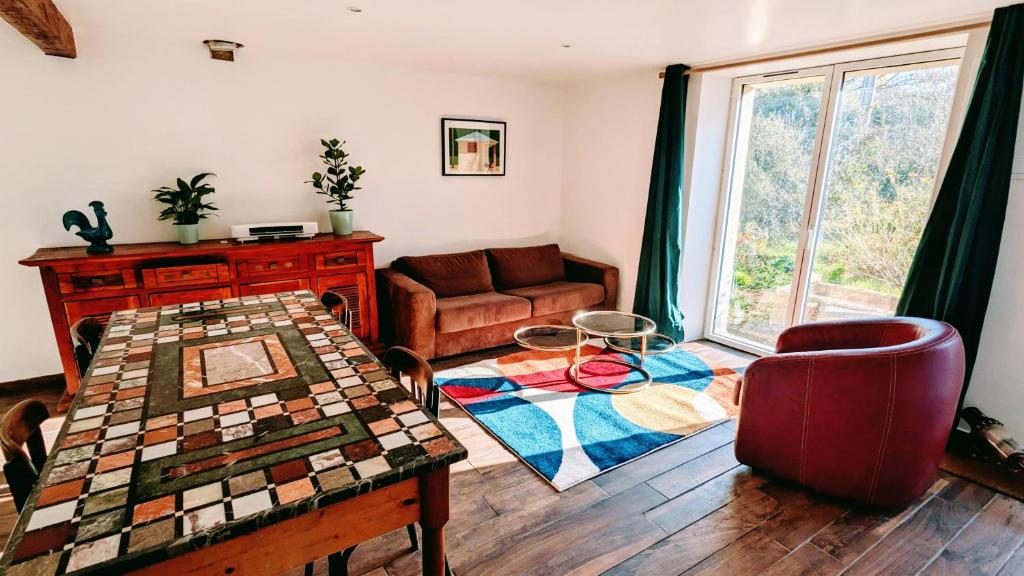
{"x": 273, "y": 231}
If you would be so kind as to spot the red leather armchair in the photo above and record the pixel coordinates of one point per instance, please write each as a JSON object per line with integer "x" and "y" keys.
{"x": 860, "y": 410}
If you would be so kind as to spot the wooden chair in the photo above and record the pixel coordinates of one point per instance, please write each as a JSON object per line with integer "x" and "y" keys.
{"x": 86, "y": 334}
{"x": 399, "y": 361}
{"x": 337, "y": 305}
{"x": 20, "y": 427}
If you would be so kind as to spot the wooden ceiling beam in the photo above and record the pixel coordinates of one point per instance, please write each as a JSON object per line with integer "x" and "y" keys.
{"x": 42, "y": 23}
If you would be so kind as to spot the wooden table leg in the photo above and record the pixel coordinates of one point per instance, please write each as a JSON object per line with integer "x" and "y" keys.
{"x": 433, "y": 516}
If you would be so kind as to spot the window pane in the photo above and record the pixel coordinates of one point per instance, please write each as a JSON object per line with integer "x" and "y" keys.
{"x": 887, "y": 138}
{"x": 771, "y": 172}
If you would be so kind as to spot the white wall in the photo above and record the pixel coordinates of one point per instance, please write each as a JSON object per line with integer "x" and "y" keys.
{"x": 123, "y": 119}
{"x": 610, "y": 128}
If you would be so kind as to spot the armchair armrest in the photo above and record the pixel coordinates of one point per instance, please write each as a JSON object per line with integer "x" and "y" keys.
{"x": 773, "y": 385}
{"x": 409, "y": 308}
{"x": 768, "y": 376}
{"x": 583, "y": 270}
{"x": 801, "y": 403}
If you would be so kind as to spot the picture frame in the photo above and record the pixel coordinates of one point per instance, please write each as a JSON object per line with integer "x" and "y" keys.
{"x": 471, "y": 147}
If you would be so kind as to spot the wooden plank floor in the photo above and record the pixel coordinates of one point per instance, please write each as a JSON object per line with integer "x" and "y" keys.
{"x": 687, "y": 509}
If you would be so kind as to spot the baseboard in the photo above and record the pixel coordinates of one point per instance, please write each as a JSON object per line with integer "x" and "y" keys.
{"x": 55, "y": 381}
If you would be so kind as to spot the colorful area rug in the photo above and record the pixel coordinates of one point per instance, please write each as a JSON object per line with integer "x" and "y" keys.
{"x": 569, "y": 434}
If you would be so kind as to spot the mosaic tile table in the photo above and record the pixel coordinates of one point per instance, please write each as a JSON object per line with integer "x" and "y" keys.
{"x": 246, "y": 436}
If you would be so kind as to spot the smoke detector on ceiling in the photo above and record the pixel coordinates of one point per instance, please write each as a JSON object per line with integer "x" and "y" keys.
{"x": 222, "y": 49}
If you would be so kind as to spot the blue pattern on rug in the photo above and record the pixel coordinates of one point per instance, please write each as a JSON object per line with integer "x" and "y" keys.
{"x": 569, "y": 434}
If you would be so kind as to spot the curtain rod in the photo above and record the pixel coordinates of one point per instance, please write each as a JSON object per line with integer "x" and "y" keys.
{"x": 916, "y": 35}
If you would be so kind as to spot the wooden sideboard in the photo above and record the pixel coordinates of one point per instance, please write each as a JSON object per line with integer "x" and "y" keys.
{"x": 160, "y": 273}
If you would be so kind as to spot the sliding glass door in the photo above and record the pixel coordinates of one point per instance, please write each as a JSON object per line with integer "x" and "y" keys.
{"x": 886, "y": 141}
{"x": 830, "y": 180}
{"x": 778, "y": 128}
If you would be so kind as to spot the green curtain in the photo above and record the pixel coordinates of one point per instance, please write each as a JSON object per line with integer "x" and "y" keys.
{"x": 951, "y": 276}
{"x": 657, "y": 282}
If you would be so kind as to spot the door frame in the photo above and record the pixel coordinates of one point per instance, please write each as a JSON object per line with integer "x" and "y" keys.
{"x": 812, "y": 208}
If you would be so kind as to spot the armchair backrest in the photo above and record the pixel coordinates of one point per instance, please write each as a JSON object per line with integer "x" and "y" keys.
{"x": 902, "y": 332}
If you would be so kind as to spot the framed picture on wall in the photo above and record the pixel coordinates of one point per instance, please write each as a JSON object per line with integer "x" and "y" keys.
{"x": 472, "y": 147}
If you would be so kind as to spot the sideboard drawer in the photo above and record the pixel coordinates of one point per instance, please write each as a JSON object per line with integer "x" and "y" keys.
{"x": 273, "y": 286}
{"x": 188, "y": 296}
{"x": 185, "y": 275}
{"x": 273, "y": 265}
{"x": 351, "y": 260}
{"x": 95, "y": 281}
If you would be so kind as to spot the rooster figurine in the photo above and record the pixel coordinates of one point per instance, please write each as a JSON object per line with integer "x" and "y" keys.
{"x": 98, "y": 235}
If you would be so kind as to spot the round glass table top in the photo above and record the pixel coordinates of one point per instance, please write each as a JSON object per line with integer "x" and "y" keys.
{"x": 610, "y": 323}
{"x": 656, "y": 344}
{"x": 546, "y": 337}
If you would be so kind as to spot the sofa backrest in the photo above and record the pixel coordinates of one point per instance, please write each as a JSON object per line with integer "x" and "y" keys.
{"x": 526, "y": 266}
{"x": 449, "y": 275}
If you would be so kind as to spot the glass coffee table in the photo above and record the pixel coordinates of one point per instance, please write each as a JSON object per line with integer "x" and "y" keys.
{"x": 622, "y": 331}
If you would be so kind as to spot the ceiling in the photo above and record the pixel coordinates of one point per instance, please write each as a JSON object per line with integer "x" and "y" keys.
{"x": 509, "y": 38}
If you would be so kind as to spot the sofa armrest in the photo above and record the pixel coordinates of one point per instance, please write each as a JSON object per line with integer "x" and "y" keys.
{"x": 583, "y": 270}
{"x": 409, "y": 310}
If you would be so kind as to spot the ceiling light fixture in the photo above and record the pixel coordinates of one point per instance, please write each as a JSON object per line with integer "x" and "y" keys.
{"x": 566, "y": 45}
{"x": 355, "y": 9}
{"x": 222, "y": 49}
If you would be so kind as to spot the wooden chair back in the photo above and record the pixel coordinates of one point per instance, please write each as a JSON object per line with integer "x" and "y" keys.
{"x": 20, "y": 428}
{"x": 401, "y": 360}
{"x": 337, "y": 305}
{"x": 86, "y": 334}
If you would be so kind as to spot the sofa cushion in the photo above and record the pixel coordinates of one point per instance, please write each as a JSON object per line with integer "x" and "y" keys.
{"x": 529, "y": 266}
{"x": 449, "y": 274}
{"x": 560, "y": 296}
{"x": 476, "y": 310}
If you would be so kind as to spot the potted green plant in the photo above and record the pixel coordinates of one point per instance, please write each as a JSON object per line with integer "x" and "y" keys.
{"x": 338, "y": 184}
{"x": 186, "y": 206}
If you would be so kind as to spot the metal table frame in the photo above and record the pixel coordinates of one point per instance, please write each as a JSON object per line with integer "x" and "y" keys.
{"x": 581, "y": 337}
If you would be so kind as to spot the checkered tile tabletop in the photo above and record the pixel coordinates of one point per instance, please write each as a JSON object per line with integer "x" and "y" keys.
{"x": 203, "y": 421}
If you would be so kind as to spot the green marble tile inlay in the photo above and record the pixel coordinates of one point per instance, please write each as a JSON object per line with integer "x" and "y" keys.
{"x": 165, "y": 394}
{"x": 195, "y": 317}
{"x": 150, "y": 482}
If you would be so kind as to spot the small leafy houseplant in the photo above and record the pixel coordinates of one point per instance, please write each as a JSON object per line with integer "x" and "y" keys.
{"x": 186, "y": 205}
{"x": 337, "y": 184}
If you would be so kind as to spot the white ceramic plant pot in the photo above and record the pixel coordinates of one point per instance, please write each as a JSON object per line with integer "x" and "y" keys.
{"x": 188, "y": 233}
{"x": 341, "y": 222}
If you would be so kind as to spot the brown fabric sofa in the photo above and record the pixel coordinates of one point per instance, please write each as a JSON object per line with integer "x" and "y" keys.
{"x": 448, "y": 304}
